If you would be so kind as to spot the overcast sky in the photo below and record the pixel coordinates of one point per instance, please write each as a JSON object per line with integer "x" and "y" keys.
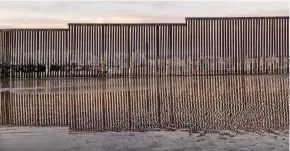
{"x": 57, "y": 14}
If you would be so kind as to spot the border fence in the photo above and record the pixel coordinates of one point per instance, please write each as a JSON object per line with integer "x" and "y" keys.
{"x": 200, "y": 46}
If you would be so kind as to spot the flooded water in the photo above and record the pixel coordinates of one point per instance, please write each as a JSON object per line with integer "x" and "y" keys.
{"x": 208, "y": 104}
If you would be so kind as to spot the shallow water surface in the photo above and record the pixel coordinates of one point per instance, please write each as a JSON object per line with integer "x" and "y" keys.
{"x": 141, "y": 104}
{"x": 214, "y": 113}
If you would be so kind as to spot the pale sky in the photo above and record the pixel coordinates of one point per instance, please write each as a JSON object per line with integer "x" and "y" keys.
{"x": 56, "y": 14}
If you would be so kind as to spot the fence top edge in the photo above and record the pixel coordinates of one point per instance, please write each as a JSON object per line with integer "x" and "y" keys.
{"x": 35, "y": 29}
{"x": 240, "y": 17}
{"x": 127, "y": 24}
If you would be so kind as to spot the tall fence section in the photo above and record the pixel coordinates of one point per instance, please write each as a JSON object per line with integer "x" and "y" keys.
{"x": 200, "y": 46}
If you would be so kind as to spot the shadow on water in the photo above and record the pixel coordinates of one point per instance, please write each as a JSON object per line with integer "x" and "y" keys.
{"x": 141, "y": 104}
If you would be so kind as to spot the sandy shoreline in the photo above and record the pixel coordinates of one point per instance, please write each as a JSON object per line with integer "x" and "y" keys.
{"x": 61, "y": 139}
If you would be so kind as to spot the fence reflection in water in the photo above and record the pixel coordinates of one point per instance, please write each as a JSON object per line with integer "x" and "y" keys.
{"x": 139, "y": 104}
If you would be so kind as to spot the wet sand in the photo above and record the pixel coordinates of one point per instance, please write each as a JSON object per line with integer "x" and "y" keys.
{"x": 61, "y": 139}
